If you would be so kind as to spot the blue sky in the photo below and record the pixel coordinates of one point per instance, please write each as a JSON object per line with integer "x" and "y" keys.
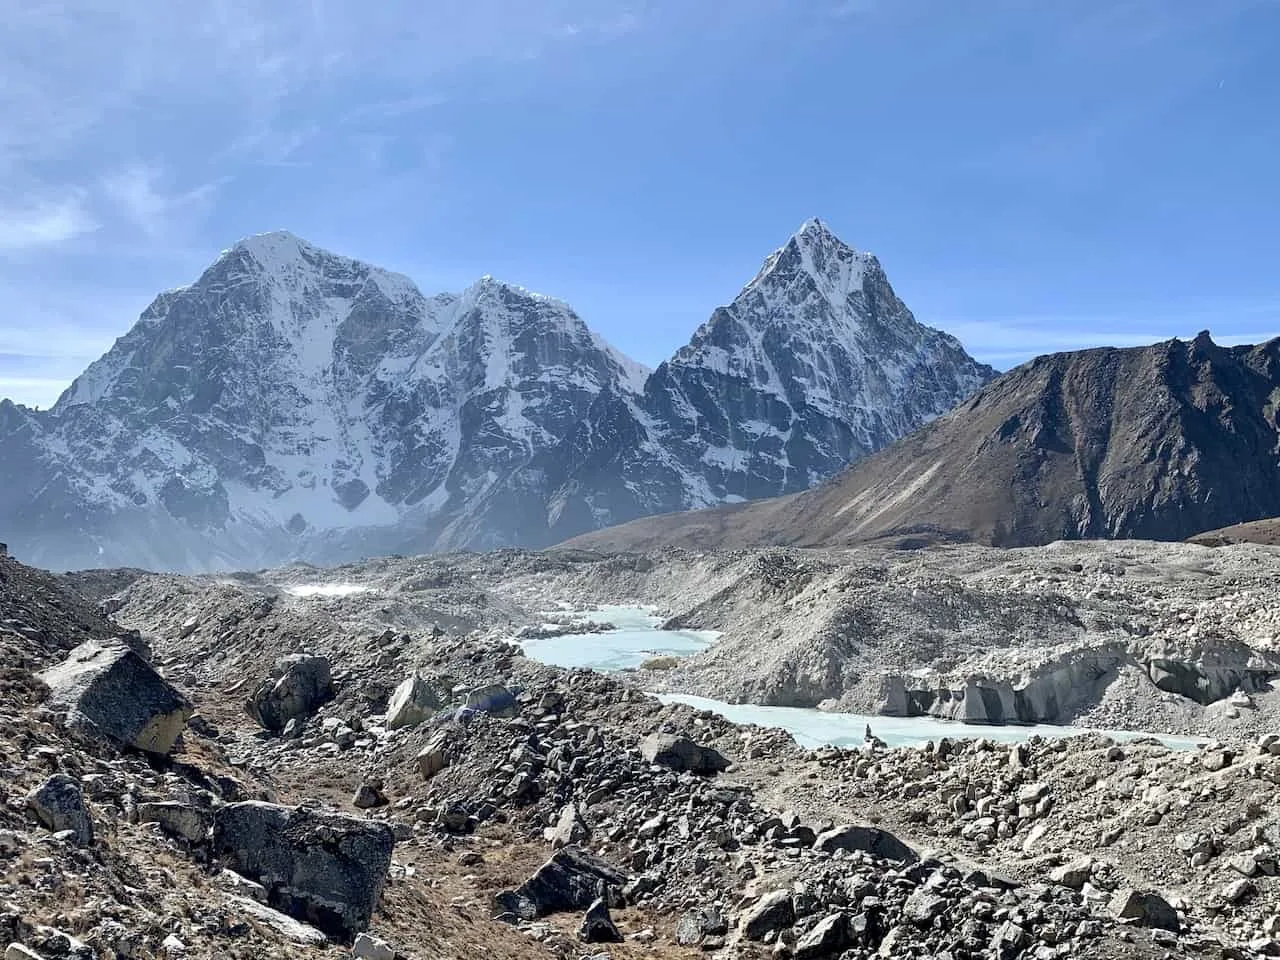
{"x": 1034, "y": 176}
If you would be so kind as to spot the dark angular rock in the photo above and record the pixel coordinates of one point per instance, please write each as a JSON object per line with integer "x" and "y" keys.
{"x": 571, "y": 880}
{"x": 826, "y": 939}
{"x": 322, "y": 868}
{"x": 772, "y": 912}
{"x": 108, "y": 690}
{"x": 682, "y": 754}
{"x": 598, "y": 926}
{"x": 298, "y": 686}
{"x": 872, "y": 840}
{"x": 1145, "y": 908}
{"x": 58, "y": 804}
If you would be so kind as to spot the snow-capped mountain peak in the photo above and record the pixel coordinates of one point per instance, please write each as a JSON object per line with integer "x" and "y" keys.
{"x": 814, "y": 259}
{"x": 295, "y": 402}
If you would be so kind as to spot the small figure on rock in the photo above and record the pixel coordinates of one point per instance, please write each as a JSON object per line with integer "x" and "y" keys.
{"x": 872, "y": 741}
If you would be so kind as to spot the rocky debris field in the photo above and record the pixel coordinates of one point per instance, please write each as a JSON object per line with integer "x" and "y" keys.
{"x": 1128, "y": 635}
{"x": 246, "y": 766}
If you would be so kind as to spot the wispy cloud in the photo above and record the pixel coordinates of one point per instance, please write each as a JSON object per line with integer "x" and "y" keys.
{"x": 45, "y": 223}
{"x": 139, "y": 195}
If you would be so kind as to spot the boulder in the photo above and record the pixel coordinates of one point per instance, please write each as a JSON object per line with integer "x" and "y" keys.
{"x": 415, "y": 701}
{"x": 58, "y": 804}
{"x": 682, "y": 755}
{"x": 322, "y": 868}
{"x": 1144, "y": 908}
{"x": 828, "y": 937}
{"x": 571, "y": 880}
{"x": 434, "y": 757}
{"x": 923, "y": 907}
{"x": 108, "y": 690}
{"x": 695, "y": 925}
{"x": 493, "y": 699}
{"x": 569, "y": 828}
{"x": 177, "y": 819}
{"x": 371, "y": 948}
{"x": 772, "y": 912}
{"x": 290, "y": 929}
{"x": 369, "y": 795}
{"x": 298, "y": 686}
{"x": 597, "y": 925}
{"x": 1074, "y": 874}
{"x": 872, "y": 840}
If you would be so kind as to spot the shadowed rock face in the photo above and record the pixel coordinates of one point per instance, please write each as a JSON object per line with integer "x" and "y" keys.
{"x": 325, "y": 869}
{"x": 1157, "y": 442}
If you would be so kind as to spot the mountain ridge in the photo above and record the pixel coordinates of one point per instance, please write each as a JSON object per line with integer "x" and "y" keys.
{"x": 293, "y": 402}
{"x": 1160, "y": 442}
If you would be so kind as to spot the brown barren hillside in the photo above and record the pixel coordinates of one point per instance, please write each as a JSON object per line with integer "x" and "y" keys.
{"x": 1159, "y": 442}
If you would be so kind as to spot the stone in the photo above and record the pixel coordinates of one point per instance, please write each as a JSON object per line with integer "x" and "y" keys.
{"x": 682, "y": 755}
{"x": 569, "y": 828}
{"x": 1074, "y": 874}
{"x": 177, "y": 819}
{"x": 694, "y": 926}
{"x": 1245, "y": 864}
{"x": 923, "y": 907}
{"x": 189, "y": 626}
{"x": 322, "y": 868}
{"x": 298, "y": 686}
{"x": 828, "y": 937}
{"x": 171, "y": 946}
{"x": 771, "y": 913}
{"x": 598, "y": 926}
{"x": 416, "y": 700}
{"x": 1009, "y": 941}
{"x": 368, "y": 796}
{"x": 1238, "y": 891}
{"x": 867, "y": 839}
{"x": 295, "y": 931}
{"x": 16, "y": 951}
{"x": 493, "y": 699}
{"x": 367, "y": 947}
{"x": 1215, "y": 760}
{"x": 109, "y": 690}
{"x": 58, "y": 804}
{"x": 434, "y": 757}
{"x": 571, "y": 880}
{"x": 1145, "y": 908}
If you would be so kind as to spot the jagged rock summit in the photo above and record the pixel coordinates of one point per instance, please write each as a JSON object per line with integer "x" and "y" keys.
{"x": 1159, "y": 442}
{"x": 293, "y": 403}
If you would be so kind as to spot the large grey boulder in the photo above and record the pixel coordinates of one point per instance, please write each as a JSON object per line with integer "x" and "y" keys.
{"x": 298, "y": 686}
{"x": 682, "y": 754}
{"x": 872, "y": 840}
{"x": 415, "y": 701}
{"x": 571, "y": 880}
{"x": 322, "y": 868}
{"x": 58, "y": 804}
{"x": 772, "y": 912}
{"x": 108, "y": 690}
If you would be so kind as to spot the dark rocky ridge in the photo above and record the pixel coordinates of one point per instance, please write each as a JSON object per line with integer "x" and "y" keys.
{"x": 1158, "y": 442}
